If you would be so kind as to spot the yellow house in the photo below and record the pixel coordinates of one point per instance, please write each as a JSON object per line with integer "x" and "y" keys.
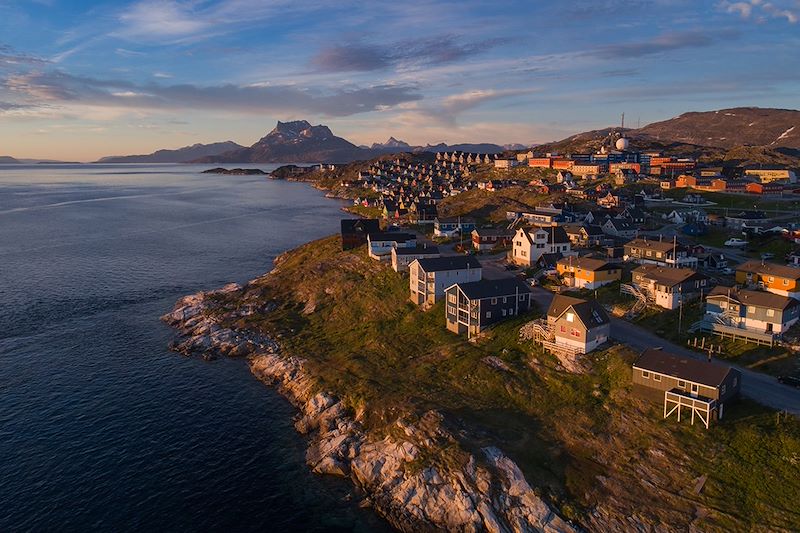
{"x": 777, "y": 279}
{"x": 587, "y": 272}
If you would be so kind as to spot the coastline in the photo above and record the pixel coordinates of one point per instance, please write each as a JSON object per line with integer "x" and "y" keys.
{"x": 393, "y": 471}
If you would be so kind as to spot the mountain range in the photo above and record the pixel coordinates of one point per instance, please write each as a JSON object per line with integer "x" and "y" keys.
{"x": 8, "y": 160}
{"x": 181, "y": 155}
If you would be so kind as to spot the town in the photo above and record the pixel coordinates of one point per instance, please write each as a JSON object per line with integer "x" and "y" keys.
{"x": 697, "y": 267}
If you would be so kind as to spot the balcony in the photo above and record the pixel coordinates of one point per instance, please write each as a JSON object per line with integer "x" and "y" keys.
{"x": 676, "y": 400}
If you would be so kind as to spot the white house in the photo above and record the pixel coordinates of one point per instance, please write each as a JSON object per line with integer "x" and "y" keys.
{"x": 380, "y": 245}
{"x": 429, "y": 277}
{"x": 531, "y": 243}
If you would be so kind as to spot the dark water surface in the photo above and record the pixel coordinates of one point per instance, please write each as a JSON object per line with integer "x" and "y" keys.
{"x": 101, "y": 427}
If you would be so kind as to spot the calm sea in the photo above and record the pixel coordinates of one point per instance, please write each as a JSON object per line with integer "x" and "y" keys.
{"x": 101, "y": 427}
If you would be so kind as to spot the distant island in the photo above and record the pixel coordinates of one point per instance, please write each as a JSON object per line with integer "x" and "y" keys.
{"x": 180, "y": 155}
{"x": 236, "y": 171}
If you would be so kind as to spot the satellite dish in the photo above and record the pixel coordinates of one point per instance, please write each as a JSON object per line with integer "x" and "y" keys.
{"x": 622, "y": 143}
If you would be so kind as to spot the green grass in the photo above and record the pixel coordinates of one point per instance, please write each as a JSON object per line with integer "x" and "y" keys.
{"x": 350, "y": 319}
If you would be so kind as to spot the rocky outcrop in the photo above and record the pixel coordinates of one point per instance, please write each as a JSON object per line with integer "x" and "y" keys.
{"x": 410, "y": 475}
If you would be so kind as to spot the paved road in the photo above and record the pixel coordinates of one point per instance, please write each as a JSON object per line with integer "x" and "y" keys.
{"x": 762, "y": 388}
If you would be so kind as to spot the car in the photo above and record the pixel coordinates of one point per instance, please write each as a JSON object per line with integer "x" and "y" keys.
{"x": 550, "y": 272}
{"x": 511, "y": 266}
{"x": 727, "y": 271}
{"x": 767, "y": 255}
{"x": 793, "y": 381}
{"x": 736, "y": 242}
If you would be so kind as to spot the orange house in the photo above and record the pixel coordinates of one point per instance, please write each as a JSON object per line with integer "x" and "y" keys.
{"x": 777, "y": 279}
{"x": 587, "y": 272}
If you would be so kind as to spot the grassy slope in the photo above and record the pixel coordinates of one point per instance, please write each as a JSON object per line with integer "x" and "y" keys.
{"x": 582, "y": 439}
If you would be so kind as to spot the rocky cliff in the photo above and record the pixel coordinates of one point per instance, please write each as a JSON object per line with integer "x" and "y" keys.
{"x": 405, "y": 475}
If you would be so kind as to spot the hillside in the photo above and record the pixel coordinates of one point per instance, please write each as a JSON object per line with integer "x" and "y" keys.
{"x": 740, "y": 136}
{"x": 7, "y": 160}
{"x": 727, "y": 128}
{"x": 181, "y": 155}
{"x": 593, "y": 450}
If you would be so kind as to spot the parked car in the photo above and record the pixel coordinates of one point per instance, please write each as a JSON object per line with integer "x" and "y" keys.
{"x": 793, "y": 381}
{"x": 728, "y": 271}
{"x": 736, "y": 242}
{"x": 767, "y": 255}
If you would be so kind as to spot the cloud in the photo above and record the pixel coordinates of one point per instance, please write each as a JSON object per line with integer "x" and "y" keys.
{"x": 458, "y": 103}
{"x": 62, "y": 88}
{"x": 163, "y": 20}
{"x": 359, "y": 56}
{"x": 662, "y": 43}
{"x": 761, "y": 11}
{"x": 10, "y": 58}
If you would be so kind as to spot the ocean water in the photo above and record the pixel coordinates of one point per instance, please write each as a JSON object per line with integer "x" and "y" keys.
{"x": 101, "y": 427}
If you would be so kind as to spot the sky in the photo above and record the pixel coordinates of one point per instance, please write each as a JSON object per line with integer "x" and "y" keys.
{"x": 82, "y": 79}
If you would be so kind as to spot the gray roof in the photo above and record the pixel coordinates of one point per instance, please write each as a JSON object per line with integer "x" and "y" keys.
{"x": 392, "y": 236}
{"x": 703, "y": 372}
{"x": 590, "y": 312}
{"x": 441, "y": 264}
{"x": 418, "y": 250}
{"x": 493, "y": 288}
{"x": 756, "y": 298}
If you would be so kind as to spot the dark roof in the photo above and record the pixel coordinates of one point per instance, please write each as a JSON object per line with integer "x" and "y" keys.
{"x": 756, "y": 298}
{"x": 360, "y": 225}
{"x": 556, "y": 235}
{"x": 441, "y": 264}
{"x": 661, "y": 246}
{"x": 418, "y": 250}
{"x": 392, "y": 236}
{"x": 702, "y": 372}
{"x": 590, "y": 312}
{"x": 493, "y": 288}
{"x": 587, "y": 263}
{"x": 490, "y": 232}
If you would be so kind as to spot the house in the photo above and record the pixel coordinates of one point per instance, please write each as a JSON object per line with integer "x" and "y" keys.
{"x": 768, "y": 175}
{"x": 530, "y": 243}
{"x": 777, "y": 279}
{"x": 380, "y": 244}
{"x": 702, "y": 387}
{"x": 490, "y": 238}
{"x": 633, "y": 214}
{"x": 745, "y": 218}
{"x": 662, "y": 253}
{"x": 587, "y": 272}
{"x": 597, "y": 217}
{"x": 759, "y": 311}
{"x": 620, "y": 228}
{"x": 429, "y": 277}
{"x": 712, "y": 261}
{"x": 472, "y": 307}
{"x": 582, "y": 325}
{"x": 354, "y": 231}
{"x": 402, "y": 257}
{"x": 448, "y": 227}
{"x": 669, "y": 287}
{"x": 585, "y": 234}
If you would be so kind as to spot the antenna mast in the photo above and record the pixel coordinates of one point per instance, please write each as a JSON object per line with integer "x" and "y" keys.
{"x": 623, "y": 121}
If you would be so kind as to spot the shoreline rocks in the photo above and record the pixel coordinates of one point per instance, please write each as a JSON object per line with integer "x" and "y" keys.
{"x": 394, "y": 472}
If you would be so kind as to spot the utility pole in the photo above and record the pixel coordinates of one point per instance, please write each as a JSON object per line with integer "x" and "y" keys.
{"x": 680, "y": 309}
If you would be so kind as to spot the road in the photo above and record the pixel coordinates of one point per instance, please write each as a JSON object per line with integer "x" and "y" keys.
{"x": 761, "y": 388}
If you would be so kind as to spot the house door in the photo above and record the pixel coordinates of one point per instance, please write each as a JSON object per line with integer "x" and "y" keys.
{"x": 769, "y": 327}
{"x": 695, "y": 390}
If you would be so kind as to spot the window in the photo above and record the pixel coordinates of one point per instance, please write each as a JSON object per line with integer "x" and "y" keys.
{"x": 735, "y": 381}
{"x": 575, "y": 333}
{"x": 452, "y": 298}
{"x": 511, "y": 311}
{"x": 504, "y": 312}
{"x": 770, "y": 312}
{"x": 451, "y": 309}
{"x": 722, "y": 389}
{"x": 771, "y": 279}
{"x": 563, "y": 329}
{"x": 488, "y": 314}
{"x": 681, "y": 384}
{"x": 570, "y": 317}
{"x": 494, "y": 301}
{"x": 786, "y": 282}
{"x": 656, "y": 377}
{"x": 504, "y": 299}
{"x": 695, "y": 388}
{"x": 521, "y": 297}
{"x": 645, "y": 374}
{"x": 751, "y": 309}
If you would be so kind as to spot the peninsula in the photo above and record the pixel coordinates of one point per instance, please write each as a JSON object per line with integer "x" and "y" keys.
{"x": 503, "y": 420}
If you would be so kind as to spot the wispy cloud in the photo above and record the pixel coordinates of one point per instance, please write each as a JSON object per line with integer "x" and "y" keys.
{"x": 761, "y": 11}
{"x": 360, "y": 56}
{"x": 61, "y": 87}
{"x": 663, "y": 43}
